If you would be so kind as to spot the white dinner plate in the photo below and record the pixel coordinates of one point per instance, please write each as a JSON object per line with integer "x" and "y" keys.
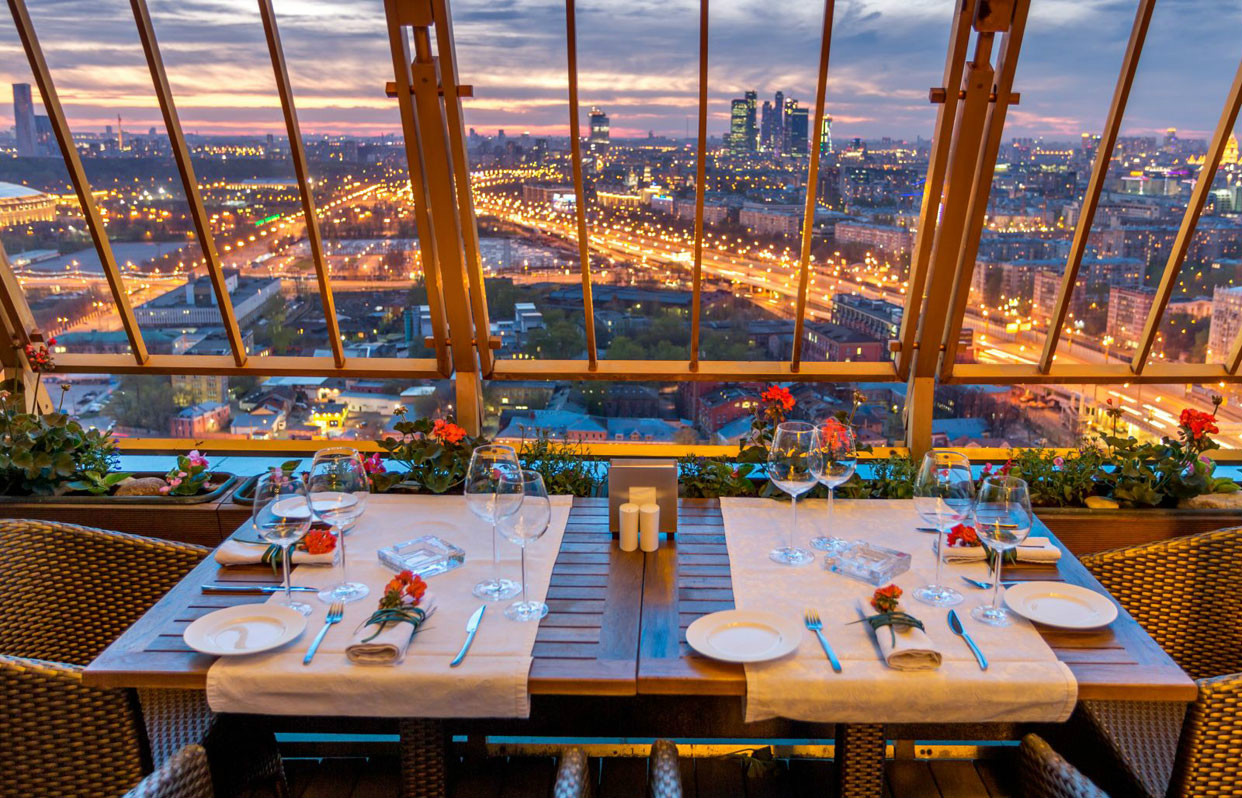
{"x": 244, "y": 629}
{"x": 1061, "y": 605}
{"x": 744, "y": 635}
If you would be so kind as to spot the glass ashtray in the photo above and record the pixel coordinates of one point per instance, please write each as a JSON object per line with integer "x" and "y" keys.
{"x": 425, "y": 556}
{"x": 867, "y": 562}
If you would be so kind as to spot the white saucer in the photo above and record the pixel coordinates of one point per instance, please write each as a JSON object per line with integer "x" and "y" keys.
{"x": 244, "y": 629}
{"x": 1062, "y": 605}
{"x": 744, "y": 635}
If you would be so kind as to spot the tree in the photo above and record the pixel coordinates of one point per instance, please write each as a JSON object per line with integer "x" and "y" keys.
{"x": 143, "y": 402}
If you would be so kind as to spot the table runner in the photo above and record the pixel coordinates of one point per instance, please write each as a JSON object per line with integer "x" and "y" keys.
{"x": 491, "y": 682}
{"x": 1024, "y": 681}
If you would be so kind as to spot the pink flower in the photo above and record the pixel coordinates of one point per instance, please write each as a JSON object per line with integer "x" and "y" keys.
{"x": 1058, "y": 461}
{"x": 182, "y": 475}
{"x": 197, "y": 459}
{"x": 174, "y": 483}
{"x": 164, "y": 489}
{"x": 373, "y": 464}
{"x": 987, "y": 469}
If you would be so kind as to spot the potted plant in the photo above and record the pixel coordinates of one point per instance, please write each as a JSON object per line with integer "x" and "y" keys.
{"x": 433, "y": 455}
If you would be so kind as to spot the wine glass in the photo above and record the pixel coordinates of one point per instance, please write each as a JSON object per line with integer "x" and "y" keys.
{"x": 840, "y": 454}
{"x": 490, "y": 498}
{"x": 339, "y": 487}
{"x": 1003, "y": 520}
{"x": 527, "y": 522}
{"x": 282, "y": 516}
{"x": 794, "y": 465}
{"x": 944, "y": 493}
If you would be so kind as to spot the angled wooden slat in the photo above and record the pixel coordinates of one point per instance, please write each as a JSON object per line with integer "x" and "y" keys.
{"x": 17, "y": 316}
{"x": 933, "y": 187}
{"x": 77, "y": 176}
{"x": 297, "y": 153}
{"x": 185, "y": 167}
{"x": 575, "y": 154}
{"x": 700, "y": 192}
{"x": 1190, "y": 220}
{"x": 812, "y": 185}
{"x": 1095, "y": 185}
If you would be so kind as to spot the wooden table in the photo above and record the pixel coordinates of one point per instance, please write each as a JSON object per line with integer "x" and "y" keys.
{"x": 610, "y": 659}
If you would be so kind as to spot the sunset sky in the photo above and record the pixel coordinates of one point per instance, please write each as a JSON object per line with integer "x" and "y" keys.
{"x": 638, "y": 60}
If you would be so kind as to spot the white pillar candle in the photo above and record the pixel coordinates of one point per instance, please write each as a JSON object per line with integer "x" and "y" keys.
{"x": 628, "y": 513}
{"x": 649, "y": 526}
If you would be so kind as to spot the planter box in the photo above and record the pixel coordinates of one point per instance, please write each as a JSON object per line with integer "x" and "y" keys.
{"x": 188, "y": 519}
{"x": 1087, "y": 531}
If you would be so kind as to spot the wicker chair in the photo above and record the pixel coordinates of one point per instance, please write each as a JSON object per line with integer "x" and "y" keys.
{"x": 66, "y": 592}
{"x": 1044, "y": 774}
{"x": 573, "y": 776}
{"x": 184, "y": 775}
{"x": 1184, "y": 593}
{"x": 664, "y": 771}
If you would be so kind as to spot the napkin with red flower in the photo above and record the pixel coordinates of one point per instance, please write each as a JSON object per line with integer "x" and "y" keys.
{"x": 964, "y": 546}
{"x": 317, "y": 547}
{"x": 903, "y": 643}
{"x": 383, "y": 638}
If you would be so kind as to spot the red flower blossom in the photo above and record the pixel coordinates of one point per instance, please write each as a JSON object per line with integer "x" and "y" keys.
{"x": 1197, "y": 423}
{"x": 404, "y": 590}
{"x": 373, "y": 464}
{"x": 447, "y": 431}
{"x": 836, "y": 435}
{"x": 778, "y": 395}
{"x": 885, "y": 599}
{"x": 319, "y": 541}
{"x": 962, "y": 535}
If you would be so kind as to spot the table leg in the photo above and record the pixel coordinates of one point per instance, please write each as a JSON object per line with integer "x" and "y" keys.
{"x": 860, "y": 761}
{"x": 424, "y": 758}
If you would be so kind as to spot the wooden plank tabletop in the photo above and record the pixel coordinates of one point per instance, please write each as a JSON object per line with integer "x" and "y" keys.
{"x": 587, "y": 644}
{"x": 690, "y": 578}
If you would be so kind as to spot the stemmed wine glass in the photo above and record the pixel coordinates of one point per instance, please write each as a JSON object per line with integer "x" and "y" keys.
{"x": 282, "y": 515}
{"x": 339, "y": 488}
{"x": 944, "y": 494}
{"x": 840, "y": 454}
{"x": 794, "y": 465}
{"x": 490, "y": 498}
{"x": 1003, "y": 520}
{"x": 527, "y": 522}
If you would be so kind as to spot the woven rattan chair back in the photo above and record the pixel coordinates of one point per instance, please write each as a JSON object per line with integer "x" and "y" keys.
{"x": 1044, "y": 774}
{"x": 68, "y": 591}
{"x": 1184, "y": 593}
{"x": 184, "y": 775}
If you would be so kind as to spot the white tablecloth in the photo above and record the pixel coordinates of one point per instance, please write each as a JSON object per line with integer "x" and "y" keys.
{"x": 1024, "y": 682}
{"x": 492, "y": 682}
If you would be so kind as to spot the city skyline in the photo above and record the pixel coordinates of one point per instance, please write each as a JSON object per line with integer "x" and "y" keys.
{"x": 885, "y": 56}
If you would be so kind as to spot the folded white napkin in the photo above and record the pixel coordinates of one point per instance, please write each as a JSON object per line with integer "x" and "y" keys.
{"x": 914, "y": 650}
{"x": 1032, "y": 550}
{"x": 236, "y": 552}
{"x": 388, "y": 647}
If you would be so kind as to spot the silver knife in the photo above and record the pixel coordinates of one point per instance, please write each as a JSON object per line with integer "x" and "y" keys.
{"x": 955, "y": 623}
{"x": 472, "y": 626}
{"x": 256, "y": 590}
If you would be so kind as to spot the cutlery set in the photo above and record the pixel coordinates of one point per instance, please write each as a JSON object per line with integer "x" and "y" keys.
{"x": 813, "y": 623}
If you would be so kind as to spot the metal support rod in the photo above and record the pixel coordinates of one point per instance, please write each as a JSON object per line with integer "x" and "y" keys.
{"x": 418, "y": 195}
{"x": 194, "y": 198}
{"x": 933, "y": 188}
{"x": 454, "y": 117}
{"x": 1099, "y": 171}
{"x": 700, "y": 192}
{"x": 994, "y": 128}
{"x": 297, "y": 153}
{"x": 812, "y": 188}
{"x": 1190, "y": 220}
{"x": 575, "y": 152}
{"x": 77, "y": 176}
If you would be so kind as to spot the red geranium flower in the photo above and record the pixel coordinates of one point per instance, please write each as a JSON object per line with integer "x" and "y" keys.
{"x": 885, "y": 599}
{"x": 447, "y": 431}
{"x": 962, "y": 535}
{"x": 319, "y": 541}
{"x": 778, "y": 395}
{"x": 1197, "y": 423}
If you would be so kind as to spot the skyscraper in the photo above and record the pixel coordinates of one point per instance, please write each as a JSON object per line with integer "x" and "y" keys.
{"x": 778, "y": 131}
{"x": 796, "y": 120}
{"x": 598, "y": 141}
{"x": 752, "y": 122}
{"x": 743, "y": 127}
{"x": 23, "y": 115}
{"x": 767, "y": 127}
{"x": 825, "y": 136}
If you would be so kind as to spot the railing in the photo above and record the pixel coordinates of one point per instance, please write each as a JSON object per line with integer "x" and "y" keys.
{"x": 972, "y": 107}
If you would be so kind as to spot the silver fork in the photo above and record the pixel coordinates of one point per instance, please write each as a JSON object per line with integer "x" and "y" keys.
{"x": 335, "y": 613}
{"x": 816, "y": 625}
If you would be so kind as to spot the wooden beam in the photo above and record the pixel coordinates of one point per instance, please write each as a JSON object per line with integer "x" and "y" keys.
{"x": 1095, "y": 185}
{"x": 1190, "y": 220}
{"x": 393, "y": 368}
{"x": 812, "y": 188}
{"x": 675, "y": 371}
{"x": 933, "y": 187}
{"x": 575, "y": 155}
{"x": 297, "y": 154}
{"x": 185, "y": 167}
{"x": 77, "y": 176}
{"x": 1090, "y": 374}
{"x": 700, "y": 193}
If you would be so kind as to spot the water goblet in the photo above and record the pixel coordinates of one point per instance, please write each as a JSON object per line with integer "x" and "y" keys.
{"x": 944, "y": 493}
{"x": 840, "y": 454}
{"x": 794, "y": 466}
{"x": 282, "y": 516}
{"x": 1003, "y": 520}
{"x": 339, "y": 488}
{"x": 491, "y": 499}
{"x": 523, "y": 525}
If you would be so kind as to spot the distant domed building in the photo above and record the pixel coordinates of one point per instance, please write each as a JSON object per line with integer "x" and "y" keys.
{"x": 23, "y": 204}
